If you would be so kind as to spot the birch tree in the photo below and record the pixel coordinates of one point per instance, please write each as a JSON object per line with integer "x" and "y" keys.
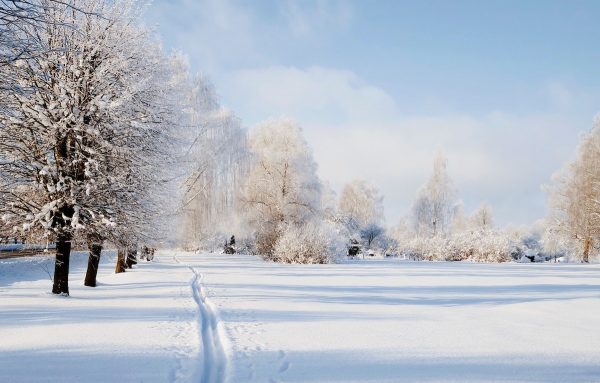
{"x": 432, "y": 210}
{"x": 216, "y": 160}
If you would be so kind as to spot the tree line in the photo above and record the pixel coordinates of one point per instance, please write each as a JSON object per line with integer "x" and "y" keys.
{"x": 93, "y": 117}
{"x": 285, "y": 213}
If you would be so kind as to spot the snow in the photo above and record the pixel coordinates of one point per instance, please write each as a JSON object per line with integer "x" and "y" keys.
{"x": 221, "y": 318}
{"x": 139, "y": 326}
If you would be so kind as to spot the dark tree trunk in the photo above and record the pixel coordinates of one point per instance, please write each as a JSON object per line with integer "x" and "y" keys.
{"x": 131, "y": 256}
{"x": 120, "y": 261}
{"x": 95, "y": 249}
{"x": 61, "y": 264}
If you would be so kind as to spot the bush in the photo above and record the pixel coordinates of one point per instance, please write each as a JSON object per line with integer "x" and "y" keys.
{"x": 266, "y": 240}
{"x": 307, "y": 243}
{"x": 475, "y": 246}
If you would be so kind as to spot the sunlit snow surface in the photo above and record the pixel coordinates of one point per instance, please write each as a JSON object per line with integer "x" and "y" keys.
{"x": 366, "y": 321}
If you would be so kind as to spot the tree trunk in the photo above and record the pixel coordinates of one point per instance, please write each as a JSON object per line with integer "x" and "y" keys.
{"x": 95, "y": 249}
{"x": 586, "y": 250}
{"x": 120, "y": 261}
{"x": 131, "y": 256}
{"x": 61, "y": 264}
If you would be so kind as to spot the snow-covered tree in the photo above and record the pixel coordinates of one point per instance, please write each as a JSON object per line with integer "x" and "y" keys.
{"x": 575, "y": 197}
{"x": 80, "y": 135}
{"x": 282, "y": 187}
{"x": 370, "y": 233}
{"x": 432, "y": 210}
{"x": 481, "y": 219}
{"x": 217, "y": 161}
{"x": 360, "y": 205}
{"x": 19, "y": 20}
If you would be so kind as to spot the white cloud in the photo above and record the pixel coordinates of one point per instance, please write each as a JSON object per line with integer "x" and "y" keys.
{"x": 310, "y": 18}
{"x": 325, "y": 94}
{"x": 356, "y": 130}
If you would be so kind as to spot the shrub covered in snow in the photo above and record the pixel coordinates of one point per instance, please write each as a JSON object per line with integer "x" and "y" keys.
{"x": 308, "y": 243}
{"x": 476, "y": 246}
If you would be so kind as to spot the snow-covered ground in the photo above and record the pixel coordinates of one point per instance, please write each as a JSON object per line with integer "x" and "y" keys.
{"x": 138, "y": 326}
{"x": 251, "y": 321}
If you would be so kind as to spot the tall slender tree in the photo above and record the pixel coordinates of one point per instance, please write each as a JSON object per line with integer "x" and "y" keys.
{"x": 432, "y": 210}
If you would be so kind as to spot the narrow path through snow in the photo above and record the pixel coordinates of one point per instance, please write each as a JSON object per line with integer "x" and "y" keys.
{"x": 214, "y": 360}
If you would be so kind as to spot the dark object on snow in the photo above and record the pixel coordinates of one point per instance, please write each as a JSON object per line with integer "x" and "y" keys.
{"x": 131, "y": 256}
{"x": 94, "y": 243}
{"x": 61, "y": 266}
{"x": 229, "y": 248}
{"x": 354, "y": 248}
{"x": 147, "y": 253}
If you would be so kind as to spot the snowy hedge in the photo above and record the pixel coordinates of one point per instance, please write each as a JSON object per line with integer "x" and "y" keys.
{"x": 307, "y": 243}
{"x": 476, "y": 246}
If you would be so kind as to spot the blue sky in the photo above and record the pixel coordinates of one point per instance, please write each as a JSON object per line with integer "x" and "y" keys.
{"x": 505, "y": 88}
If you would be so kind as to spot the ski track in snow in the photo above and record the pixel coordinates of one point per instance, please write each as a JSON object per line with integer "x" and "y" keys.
{"x": 214, "y": 360}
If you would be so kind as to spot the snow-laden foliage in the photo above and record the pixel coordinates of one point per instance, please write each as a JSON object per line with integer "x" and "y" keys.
{"x": 310, "y": 242}
{"x": 360, "y": 205}
{"x": 282, "y": 188}
{"x": 360, "y": 212}
{"x": 476, "y": 246}
{"x": 17, "y": 17}
{"x": 84, "y": 126}
{"x": 575, "y": 201}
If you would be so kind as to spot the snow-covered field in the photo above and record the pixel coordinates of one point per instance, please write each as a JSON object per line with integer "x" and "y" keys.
{"x": 250, "y": 321}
